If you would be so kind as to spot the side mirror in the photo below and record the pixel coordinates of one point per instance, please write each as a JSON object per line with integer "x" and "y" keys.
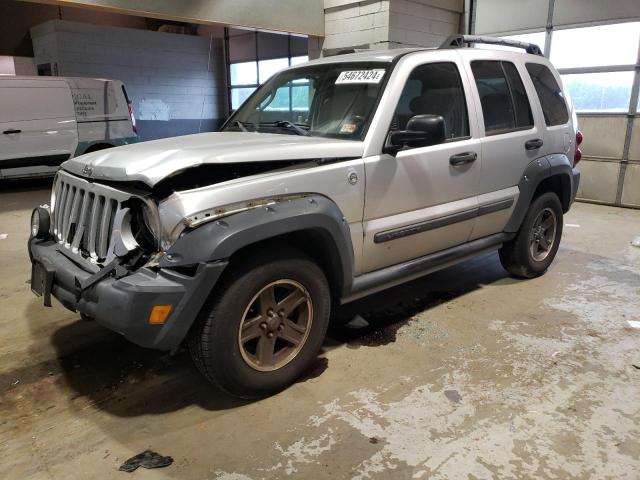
{"x": 422, "y": 131}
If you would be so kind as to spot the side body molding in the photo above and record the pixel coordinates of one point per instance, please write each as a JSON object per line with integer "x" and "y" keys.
{"x": 219, "y": 239}
{"x": 535, "y": 173}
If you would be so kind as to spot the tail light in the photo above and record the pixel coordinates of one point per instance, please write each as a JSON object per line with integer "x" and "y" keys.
{"x": 133, "y": 119}
{"x": 577, "y": 156}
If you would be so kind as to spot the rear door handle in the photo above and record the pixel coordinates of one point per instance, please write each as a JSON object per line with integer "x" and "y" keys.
{"x": 10, "y": 131}
{"x": 462, "y": 158}
{"x": 533, "y": 144}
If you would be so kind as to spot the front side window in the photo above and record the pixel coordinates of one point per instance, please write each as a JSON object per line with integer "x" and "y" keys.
{"x": 505, "y": 106}
{"x": 330, "y": 100}
{"x": 551, "y": 97}
{"x": 434, "y": 89}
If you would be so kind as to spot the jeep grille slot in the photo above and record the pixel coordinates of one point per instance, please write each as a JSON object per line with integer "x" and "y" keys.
{"x": 83, "y": 216}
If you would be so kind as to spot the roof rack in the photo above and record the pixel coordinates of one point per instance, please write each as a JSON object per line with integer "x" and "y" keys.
{"x": 458, "y": 41}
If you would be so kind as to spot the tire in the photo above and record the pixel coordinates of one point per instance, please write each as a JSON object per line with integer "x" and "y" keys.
{"x": 245, "y": 369}
{"x": 534, "y": 247}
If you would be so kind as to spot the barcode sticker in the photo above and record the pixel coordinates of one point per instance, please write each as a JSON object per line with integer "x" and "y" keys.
{"x": 360, "y": 76}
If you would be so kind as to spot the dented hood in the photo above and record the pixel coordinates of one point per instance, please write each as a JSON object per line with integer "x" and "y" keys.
{"x": 151, "y": 162}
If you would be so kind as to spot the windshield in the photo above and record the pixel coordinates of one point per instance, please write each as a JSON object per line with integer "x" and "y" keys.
{"x": 330, "y": 100}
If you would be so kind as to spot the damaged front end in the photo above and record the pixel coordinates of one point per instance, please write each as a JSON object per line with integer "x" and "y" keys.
{"x": 108, "y": 253}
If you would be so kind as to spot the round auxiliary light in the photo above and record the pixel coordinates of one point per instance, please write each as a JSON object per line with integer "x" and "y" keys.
{"x": 40, "y": 222}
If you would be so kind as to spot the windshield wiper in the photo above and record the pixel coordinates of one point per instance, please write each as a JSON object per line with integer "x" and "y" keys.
{"x": 287, "y": 124}
{"x": 240, "y": 125}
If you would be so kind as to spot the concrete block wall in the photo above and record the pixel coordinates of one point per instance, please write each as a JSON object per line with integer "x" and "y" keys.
{"x": 382, "y": 24}
{"x": 423, "y": 23}
{"x": 351, "y": 24}
{"x": 177, "y": 83}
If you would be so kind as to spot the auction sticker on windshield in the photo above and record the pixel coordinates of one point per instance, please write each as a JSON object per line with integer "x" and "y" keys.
{"x": 360, "y": 76}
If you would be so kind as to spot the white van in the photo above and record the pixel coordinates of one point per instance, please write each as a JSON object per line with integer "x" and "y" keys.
{"x": 47, "y": 120}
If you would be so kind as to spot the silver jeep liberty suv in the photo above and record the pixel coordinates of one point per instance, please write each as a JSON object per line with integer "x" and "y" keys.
{"x": 335, "y": 179}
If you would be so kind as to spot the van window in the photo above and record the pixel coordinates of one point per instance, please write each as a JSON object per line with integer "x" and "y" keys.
{"x": 19, "y": 104}
{"x": 505, "y": 106}
{"x": 551, "y": 97}
{"x": 436, "y": 89}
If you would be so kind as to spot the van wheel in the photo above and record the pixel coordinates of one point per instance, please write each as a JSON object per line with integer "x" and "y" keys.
{"x": 535, "y": 245}
{"x": 265, "y": 325}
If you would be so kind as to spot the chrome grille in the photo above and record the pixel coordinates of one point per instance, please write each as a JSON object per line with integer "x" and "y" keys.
{"x": 83, "y": 216}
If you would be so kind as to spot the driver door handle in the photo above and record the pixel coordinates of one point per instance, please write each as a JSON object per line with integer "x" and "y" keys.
{"x": 533, "y": 144}
{"x": 463, "y": 158}
{"x": 10, "y": 131}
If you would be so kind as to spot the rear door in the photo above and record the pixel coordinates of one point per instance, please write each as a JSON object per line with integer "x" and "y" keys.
{"x": 37, "y": 126}
{"x": 102, "y": 111}
{"x": 510, "y": 135}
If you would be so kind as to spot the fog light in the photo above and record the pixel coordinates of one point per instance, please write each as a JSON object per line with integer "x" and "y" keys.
{"x": 40, "y": 222}
{"x": 159, "y": 314}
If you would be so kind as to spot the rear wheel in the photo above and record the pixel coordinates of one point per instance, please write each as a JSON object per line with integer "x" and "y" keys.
{"x": 535, "y": 245}
{"x": 264, "y": 327}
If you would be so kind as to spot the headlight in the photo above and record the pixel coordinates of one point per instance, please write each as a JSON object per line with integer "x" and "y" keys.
{"x": 40, "y": 223}
{"x": 137, "y": 229}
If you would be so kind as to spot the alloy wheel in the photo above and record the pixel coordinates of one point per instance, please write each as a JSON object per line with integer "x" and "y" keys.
{"x": 543, "y": 234}
{"x": 275, "y": 325}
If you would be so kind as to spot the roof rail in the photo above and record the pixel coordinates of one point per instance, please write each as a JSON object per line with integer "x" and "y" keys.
{"x": 458, "y": 41}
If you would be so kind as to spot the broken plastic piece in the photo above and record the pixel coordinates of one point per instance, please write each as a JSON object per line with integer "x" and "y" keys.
{"x": 146, "y": 459}
{"x": 357, "y": 322}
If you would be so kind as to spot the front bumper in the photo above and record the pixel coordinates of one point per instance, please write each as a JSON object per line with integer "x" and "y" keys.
{"x": 123, "y": 305}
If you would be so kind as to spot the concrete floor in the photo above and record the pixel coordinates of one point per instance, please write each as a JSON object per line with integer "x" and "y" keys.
{"x": 543, "y": 371}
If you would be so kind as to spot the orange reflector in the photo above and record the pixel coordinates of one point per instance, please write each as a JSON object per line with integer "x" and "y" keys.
{"x": 159, "y": 314}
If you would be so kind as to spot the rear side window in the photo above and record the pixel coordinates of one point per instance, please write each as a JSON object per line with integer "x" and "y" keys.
{"x": 551, "y": 97}
{"x": 505, "y": 106}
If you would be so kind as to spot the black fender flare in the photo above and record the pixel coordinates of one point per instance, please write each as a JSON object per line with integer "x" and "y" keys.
{"x": 219, "y": 239}
{"x": 535, "y": 173}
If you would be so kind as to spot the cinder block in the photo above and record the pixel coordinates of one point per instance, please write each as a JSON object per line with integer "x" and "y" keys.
{"x": 376, "y": 6}
{"x": 442, "y": 28}
{"x": 342, "y": 12}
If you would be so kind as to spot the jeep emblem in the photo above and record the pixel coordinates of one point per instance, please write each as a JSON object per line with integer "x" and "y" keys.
{"x": 87, "y": 170}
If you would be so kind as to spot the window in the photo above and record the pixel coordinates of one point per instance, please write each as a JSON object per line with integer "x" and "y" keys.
{"x": 256, "y": 56}
{"x": 598, "y": 46}
{"x": 600, "y": 92}
{"x": 266, "y": 68}
{"x": 313, "y": 100}
{"x": 435, "y": 89}
{"x": 554, "y": 107}
{"x": 505, "y": 106}
{"x": 244, "y": 73}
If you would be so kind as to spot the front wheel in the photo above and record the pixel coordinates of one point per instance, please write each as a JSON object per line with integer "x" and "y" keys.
{"x": 535, "y": 245}
{"x": 265, "y": 327}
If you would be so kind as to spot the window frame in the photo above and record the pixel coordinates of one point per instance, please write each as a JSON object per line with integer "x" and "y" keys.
{"x": 259, "y": 81}
{"x": 508, "y": 82}
{"x": 465, "y": 101}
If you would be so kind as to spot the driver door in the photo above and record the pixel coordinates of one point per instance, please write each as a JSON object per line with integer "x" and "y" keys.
{"x": 423, "y": 199}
